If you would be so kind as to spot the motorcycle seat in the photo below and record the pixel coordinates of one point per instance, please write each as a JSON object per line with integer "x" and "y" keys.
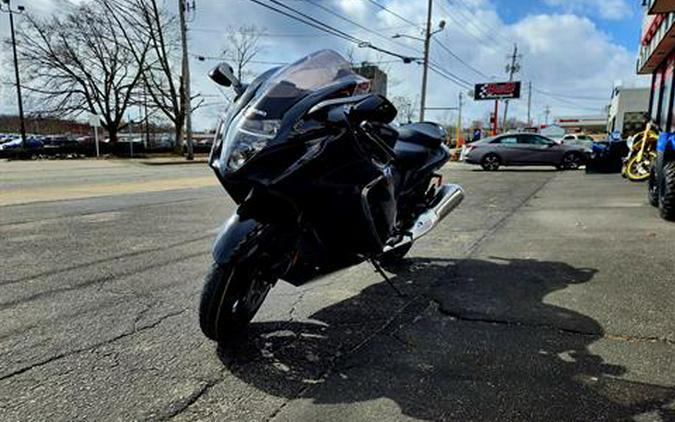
{"x": 426, "y": 134}
{"x": 410, "y": 155}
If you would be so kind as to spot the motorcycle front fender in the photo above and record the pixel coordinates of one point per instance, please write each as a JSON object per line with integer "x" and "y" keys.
{"x": 232, "y": 236}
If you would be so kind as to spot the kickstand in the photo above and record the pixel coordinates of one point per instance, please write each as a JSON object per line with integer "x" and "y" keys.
{"x": 386, "y": 278}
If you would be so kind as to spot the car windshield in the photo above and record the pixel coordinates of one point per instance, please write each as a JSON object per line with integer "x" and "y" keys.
{"x": 293, "y": 82}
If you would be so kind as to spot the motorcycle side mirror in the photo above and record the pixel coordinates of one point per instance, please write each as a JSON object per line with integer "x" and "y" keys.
{"x": 223, "y": 75}
{"x": 374, "y": 108}
{"x": 332, "y": 111}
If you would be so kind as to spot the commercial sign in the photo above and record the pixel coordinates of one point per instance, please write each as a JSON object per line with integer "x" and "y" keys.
{"x": 651, "y": 27}
{"x": 497, "y": 91}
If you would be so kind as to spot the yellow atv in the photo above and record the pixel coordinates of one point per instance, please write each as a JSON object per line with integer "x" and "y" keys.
{"x": 641, "y": 156}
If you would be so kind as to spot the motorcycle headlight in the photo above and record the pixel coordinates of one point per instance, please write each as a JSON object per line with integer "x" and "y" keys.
{"x": 245, "y": 138}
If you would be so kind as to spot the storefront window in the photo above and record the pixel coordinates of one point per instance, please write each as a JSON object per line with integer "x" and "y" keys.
{"x": 666, "y": 91}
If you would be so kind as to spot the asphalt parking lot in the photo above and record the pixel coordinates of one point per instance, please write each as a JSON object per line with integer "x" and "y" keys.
{"x": 547, "y": 296}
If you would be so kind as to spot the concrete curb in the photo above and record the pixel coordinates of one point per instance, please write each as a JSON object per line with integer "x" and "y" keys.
{"x": 173, "y": 162}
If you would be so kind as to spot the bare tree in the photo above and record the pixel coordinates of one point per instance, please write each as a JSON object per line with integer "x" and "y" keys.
{"x": 243, "y": 45}
{"x": 407, "y": 109}
{"x": 82, "y": 61}
{"x": 162, "y": 79}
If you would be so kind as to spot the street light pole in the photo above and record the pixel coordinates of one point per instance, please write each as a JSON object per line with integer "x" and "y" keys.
{"x": 426, "y": 40}
{"x": 425, "y": 71}
{"x": 11, "y": 12}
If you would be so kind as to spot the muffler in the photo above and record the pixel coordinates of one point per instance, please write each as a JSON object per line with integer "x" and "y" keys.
{"x": 447, "y": 198}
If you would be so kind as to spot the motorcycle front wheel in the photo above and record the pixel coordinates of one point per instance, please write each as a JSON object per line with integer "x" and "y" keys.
{"x": 231, "y": 296}
{"x": 639, "y": 170}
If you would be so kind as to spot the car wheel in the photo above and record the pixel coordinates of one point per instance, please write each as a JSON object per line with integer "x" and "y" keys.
{"x": 667, "y": 192}
{"x": 653, "y": 191}
{"x": 571, "y": 161}
{"x": 491, "y": 162}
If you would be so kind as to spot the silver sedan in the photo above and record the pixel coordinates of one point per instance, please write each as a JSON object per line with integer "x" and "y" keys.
{"x": 523, "y": 149}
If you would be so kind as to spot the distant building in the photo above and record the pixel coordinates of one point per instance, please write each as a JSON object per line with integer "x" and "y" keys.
{"x": 552, "y": 131}
{"x": 43, "y": 125}
{"x": 657, "y": 58}
{"x": 627, "y": 110}
{"x": 378, "y": 78}
{"x": 593, "y": 124}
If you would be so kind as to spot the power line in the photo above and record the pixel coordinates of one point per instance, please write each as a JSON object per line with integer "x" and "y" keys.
{"x": 205, "y": 57}
{"x": 202, "y": 57}
{"x": 351, "y": 21}
{"x": 391, "y": 12}
{"x": 449, "y": 76}
{"x": 574, "y": 97}
{"x": 466, "y": 31}
{"x": 570, "y": 103}
{"x": 285, "y": 35}
{"x": 315, "y": 23}
{"x": 470, "y": 19}
{"x": 459, "y": 59}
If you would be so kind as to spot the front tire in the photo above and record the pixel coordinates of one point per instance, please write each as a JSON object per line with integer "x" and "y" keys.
{"x": 571, "y": 161}
{"x": 667, "y": 192}
{"x": 230, "y": 299}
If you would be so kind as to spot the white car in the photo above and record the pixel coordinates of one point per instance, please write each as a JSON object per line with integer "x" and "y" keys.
{"x": 580, "y": 140}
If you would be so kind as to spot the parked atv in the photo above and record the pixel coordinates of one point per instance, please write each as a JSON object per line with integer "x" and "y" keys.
{"x": 662, "y": 177}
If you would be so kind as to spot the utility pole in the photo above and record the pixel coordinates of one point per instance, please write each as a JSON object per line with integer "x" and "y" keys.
{"x": 529, "y": 104}
{"x": 183, "y": 6}
{"x": 512, "y": 69}
{"x": 459, "y": 117}
{"x": 547, "y": 113}
{"x": 19, "y": 10}
{"x": 495, "y": 120}
{"x": 425, "y": 71}
{"x": 426, "y": 40}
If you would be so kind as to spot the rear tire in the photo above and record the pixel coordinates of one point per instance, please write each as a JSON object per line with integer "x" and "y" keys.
{"x": 230, "y": 299}
{"x": 491, "y": 162}
{"x": 653, "y": 190}
{"x": 667, "y": 192}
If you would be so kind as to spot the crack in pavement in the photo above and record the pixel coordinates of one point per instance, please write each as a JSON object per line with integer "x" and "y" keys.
{"x": 87, "y": 213}
{"x": 48, "y": 293}
{"x": 109, "y": 259}
{"x": 502, "y": 221}
{"x": 94, "y": 346}
{"x": 515, "y": 323}
{"x": 177, "y": 407}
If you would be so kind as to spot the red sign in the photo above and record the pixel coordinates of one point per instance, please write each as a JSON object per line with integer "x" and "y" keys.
{"x": 497, "y": 91}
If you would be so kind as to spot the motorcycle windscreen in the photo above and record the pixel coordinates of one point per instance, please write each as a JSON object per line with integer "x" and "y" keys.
{"x": 294, "y": 82}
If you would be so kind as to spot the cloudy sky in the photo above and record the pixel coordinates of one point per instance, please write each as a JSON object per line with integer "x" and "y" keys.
{"x": 573, "y": 51}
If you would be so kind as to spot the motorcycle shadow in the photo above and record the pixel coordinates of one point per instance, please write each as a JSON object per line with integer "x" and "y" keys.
{"x": 474, "y": 341}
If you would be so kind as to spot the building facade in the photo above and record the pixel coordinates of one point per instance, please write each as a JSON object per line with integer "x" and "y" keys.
{"x": 590, "y": 124}
{"x": 378, "y": 78}
{"x": 627, "y": 110}
{"x": 657, "y": 58}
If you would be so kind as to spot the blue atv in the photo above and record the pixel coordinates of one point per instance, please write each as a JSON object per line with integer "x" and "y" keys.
{"x": 662, "y": 177}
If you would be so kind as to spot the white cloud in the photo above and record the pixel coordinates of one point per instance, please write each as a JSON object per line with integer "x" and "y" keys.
{"x": 607, "y": 9}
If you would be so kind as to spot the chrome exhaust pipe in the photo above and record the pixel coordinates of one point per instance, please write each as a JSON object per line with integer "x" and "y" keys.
{"x": 447, "y": 198}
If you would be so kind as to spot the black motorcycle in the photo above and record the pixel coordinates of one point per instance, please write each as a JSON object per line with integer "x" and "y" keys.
{"x": 321, "y": 180}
